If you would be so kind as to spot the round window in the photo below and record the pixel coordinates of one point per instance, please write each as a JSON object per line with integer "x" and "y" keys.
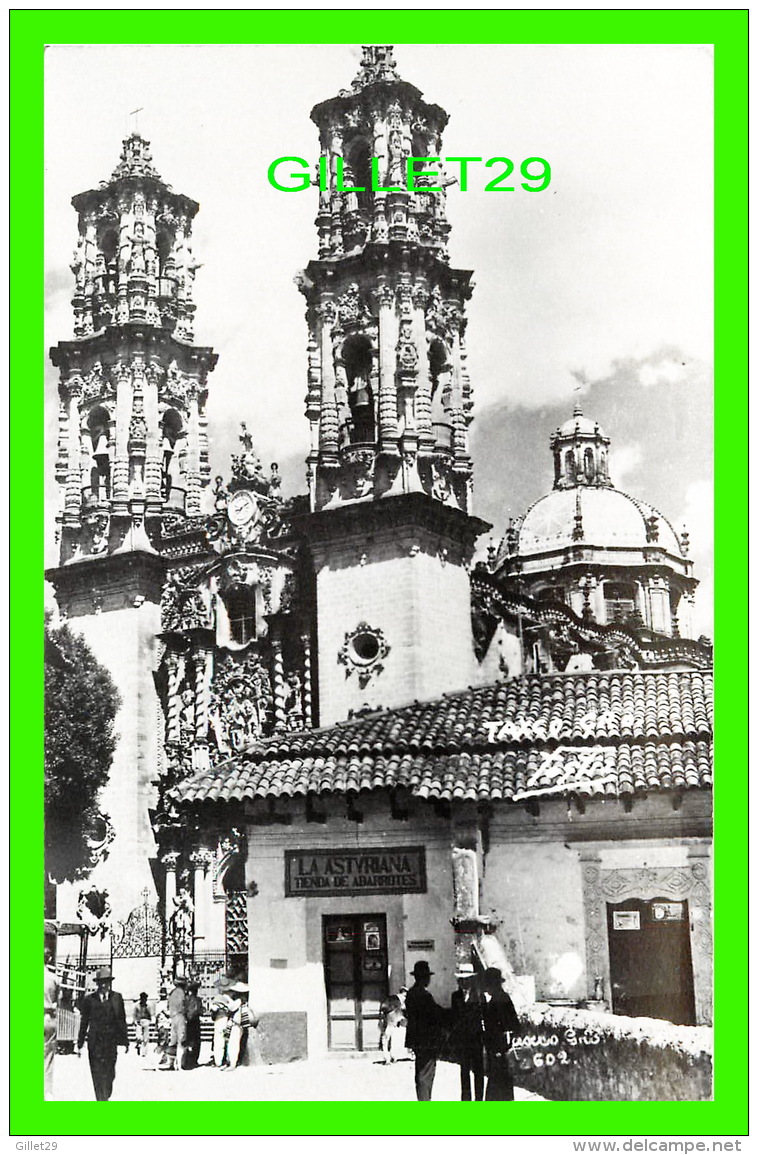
{"x": 365, "y": 647}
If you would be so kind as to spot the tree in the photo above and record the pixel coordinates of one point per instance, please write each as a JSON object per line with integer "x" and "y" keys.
{"x": 81, "y": 702}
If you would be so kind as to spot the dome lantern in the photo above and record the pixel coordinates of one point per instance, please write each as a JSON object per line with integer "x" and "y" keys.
{"x": 580, "y": 452}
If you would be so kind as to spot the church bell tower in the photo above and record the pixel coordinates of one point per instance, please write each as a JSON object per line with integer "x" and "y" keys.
{"x": 389, "y": 404}
{"x": 132, "y": 437}
{"x": 132, "y": 462}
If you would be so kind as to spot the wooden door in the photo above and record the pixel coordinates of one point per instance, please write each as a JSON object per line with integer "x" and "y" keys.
{"x": 651, "y": 961}
{"x": 355, "y": 971}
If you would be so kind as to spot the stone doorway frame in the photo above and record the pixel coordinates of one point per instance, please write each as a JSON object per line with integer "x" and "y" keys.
{"x": 692, "y": 882}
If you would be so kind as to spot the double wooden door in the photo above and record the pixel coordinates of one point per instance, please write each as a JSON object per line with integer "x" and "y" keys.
{"x": 355, "y": 970}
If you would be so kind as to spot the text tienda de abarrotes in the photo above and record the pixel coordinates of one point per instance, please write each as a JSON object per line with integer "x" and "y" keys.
{"x": 533, "y": 174}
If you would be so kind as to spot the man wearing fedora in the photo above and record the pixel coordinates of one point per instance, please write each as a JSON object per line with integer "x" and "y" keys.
{"x": 501, "y": 1026}
{"x": 103, "y": 1025}
{"x": 426, "y": 1022}
{"x": 467, "y": 1035}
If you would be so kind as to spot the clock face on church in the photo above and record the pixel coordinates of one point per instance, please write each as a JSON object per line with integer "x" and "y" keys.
{"x": 242, "y": 508}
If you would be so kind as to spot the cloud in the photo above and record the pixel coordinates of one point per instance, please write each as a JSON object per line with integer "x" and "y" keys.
{"x": 666, "y": 372}
{"x": 697, "y": 515}
{"x": 626, "y": 458}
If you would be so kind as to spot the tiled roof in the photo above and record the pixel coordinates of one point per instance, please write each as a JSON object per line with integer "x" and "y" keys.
{"x": 587, "y": 734}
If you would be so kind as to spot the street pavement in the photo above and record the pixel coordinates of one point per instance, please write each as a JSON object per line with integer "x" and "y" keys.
{"x": 363, "y": 1079}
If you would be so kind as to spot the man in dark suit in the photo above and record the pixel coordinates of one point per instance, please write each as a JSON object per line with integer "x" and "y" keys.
{"x": 103, "y": 1025}
{"x": 423, "y": 1036}
{"x": 501, "y": 1025}
{"x": 467, "y": 1033}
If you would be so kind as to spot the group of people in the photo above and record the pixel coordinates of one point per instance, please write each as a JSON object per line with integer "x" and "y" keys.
{"x": 176, "y": 1017}
{"x": 177, "y": 1025}
{"x": 477, "y": 1032}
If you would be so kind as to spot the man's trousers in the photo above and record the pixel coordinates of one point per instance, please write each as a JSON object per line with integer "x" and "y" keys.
{"x": 426, "y": 1066}
{"x": 102, "y": 1064}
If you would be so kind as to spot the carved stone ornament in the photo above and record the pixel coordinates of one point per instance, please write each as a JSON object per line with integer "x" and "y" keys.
{"x": 407, "y": 353}
{"x": 94, "y": 911}
{"x": 350, "y": 307}
{"x": 363, "y": 652}
{"x": 240, "y": 704}
{"x": 183, "y": 606}
{"x": 358, "y": 471}
{"x": 175, "y": 384}
{"x": 441, "y": 480}
{"x": 96, "y": 529}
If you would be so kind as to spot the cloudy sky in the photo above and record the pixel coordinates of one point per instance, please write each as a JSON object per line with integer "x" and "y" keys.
{"x": 599, "y": 286}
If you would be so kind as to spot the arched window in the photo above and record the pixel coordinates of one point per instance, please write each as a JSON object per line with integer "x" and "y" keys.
{"x": 166, "y": 265}
{"x": 439, "y": 369}
{"x": 570, "y": 466}
{"x": 171, "y": 431}
{"x": 359, "y": 165}
{"x": 358, "y": 359}
{"x": 589, "y": 465}
{"x": 240, "y": 607}
{"x": 620, "y": 602}
{"x": 100, "y": 479}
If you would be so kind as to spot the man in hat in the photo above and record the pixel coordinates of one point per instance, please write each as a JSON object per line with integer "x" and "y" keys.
{"x": 500, "y": 1026}
{"x": 193, "y": 1008}
{"x": 142, "y": 1017}
{"x": 178, "y": 1014}
{"x": 103, "y": 1025}
{"x": 423, "y": 1036}
{"x": 467, "y": 1035}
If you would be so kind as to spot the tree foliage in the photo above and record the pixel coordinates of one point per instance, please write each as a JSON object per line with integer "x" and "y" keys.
{"x": 81, "y": 702}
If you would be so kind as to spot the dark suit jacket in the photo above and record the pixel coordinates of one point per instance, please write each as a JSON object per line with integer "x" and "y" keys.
{"x": 500, "y": 1024}
{"x": 103, "y": 1024}
{"x": 426, "y": 1020}
{"x": 467, "y": 1034}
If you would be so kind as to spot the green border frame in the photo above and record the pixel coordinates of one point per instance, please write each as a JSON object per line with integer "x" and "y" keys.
{"x": 727, "y": 31}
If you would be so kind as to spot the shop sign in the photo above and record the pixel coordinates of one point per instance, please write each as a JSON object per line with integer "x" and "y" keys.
{"x": 315, "y": 873}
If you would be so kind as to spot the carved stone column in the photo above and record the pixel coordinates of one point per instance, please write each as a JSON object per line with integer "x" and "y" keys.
{"x": 329, "y": 428}
{"x": 387, "y": 393}
{"x": 193, "y": 454}
{"x": 424, "y": 386}
{"x": 308, "y": 719}
{"x": 120, "y": 483}
{"x": 173, "y": 703}
{"x": 280, "y": 715}
{"x": 169, "y": 862}
{"x": 203, "y": 658}
{"x": 202, "y": 861}
{"x": 73, "y": 499}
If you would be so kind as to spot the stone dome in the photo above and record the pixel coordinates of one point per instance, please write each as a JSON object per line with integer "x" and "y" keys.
{"x": 580, "y": 425}
{"x": 609, "y": 518}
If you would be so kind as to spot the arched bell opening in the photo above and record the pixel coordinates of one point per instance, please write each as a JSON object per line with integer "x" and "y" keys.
{"x": 167, "y": 275}
{"x": 358, "y": 175}
{"x": 357, "y": 358}
{"x": 172, "y": 431}
{"x": 98, "y": 426}
{"x": 622, "y": 603}
{"x": 439, "y": 375}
